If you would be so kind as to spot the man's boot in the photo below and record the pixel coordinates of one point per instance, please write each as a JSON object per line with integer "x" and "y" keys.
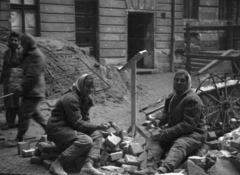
{"x": 88, "y": 169}
{"x": 57, "y": 168}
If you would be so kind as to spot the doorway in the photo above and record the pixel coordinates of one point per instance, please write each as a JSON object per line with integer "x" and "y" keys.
{"x": 141, "y": 37}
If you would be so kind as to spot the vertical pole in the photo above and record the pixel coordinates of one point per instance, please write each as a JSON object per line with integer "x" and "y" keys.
{"x": 172, "y": 36}
{"x": 133, "y": 98}
{"x": 188, "y": 40}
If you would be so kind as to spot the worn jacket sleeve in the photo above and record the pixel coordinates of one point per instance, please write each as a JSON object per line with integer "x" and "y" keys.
{"x": 75, "y": 118}
{"x": 35, "y": 68}
{"x": 3, "y": 67}
{"x": 191, "y": 115}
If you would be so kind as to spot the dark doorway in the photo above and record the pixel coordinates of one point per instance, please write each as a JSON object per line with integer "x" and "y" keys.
{"x": 141, "y": 37}
{"x": 86, "y": 24}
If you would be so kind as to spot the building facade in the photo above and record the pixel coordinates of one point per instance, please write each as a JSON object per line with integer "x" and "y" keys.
{"x": 115, "y": 30}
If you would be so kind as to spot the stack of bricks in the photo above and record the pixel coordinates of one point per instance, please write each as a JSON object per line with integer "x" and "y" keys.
{"x": 44, "y": 153}
{"x": 121, "y": 150}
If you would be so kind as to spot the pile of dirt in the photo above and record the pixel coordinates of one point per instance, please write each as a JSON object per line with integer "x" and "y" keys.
{"x": 66, "y": 62}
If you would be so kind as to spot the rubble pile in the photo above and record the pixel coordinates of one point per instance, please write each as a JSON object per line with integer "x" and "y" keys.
{"x": 123, "y": 154}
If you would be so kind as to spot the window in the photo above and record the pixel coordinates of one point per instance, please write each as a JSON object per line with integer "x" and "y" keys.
{"x": 24, "y": 16}
{"x": 191, "y": 9}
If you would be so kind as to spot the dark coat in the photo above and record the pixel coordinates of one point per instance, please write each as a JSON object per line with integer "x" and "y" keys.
{"x": 11, "y": 59}
{"x": 184, "y": 117}
{"x": 33, "y": 65}
{"x": 69, "y": 116}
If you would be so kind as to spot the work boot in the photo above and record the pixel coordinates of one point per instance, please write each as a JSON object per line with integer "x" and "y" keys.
{"x": 88, "y": 169}
{"x": 56, "y": 168}
{"x": 14, "y": 143}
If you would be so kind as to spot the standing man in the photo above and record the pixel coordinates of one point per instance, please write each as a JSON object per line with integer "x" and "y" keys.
{"x": 182, "y": 125}
{"x": 69, "y": 127}
{"x": 11, "y": 59}
{"x": 32, "y": 88}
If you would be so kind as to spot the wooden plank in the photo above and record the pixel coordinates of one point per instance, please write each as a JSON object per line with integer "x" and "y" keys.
{"x": 135, "y": 4}
{"x": 212, "y": 3}
{"x": 112, "y": 37}
{"x": 163, "y": 45}
{"x": 5, "y": 15}
{"x": 112, "y": 45}
{"x": 5, "y": 5}
{"x": 112, "y": 20}
{"x": 58, "y": 18}
{"x": 141, "y": 4}
{"x": 170, "y": 1}
{"x": 57, "y": 9}
{"x": 112, "y": 29}
{"x": 70, "y": 2}
{"x": 57, "y": 27}
{"x": 112, "y": 12}
{"x": 70, "y": 36}
{"x": 112, "y": 52}
{"x": 112, "y": 4}
{"x": 5, "y": 24}
{"x": 163, "y": 29}
{"x": 163, "y": 7}
{"x": 129, "y": 4}
{"x": 119, "y": 60}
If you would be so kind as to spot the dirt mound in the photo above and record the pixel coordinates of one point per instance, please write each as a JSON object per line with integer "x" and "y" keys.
{"x": 66, "y": 62}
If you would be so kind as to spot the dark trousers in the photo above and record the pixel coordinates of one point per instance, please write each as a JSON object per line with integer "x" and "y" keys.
{"x": 84, "y": 146}
{"x": 11, "y": 114}
{"x": 29, "y": 108}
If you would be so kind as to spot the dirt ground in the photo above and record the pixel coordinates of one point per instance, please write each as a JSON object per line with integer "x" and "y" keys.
{"x": 152, "y": 87}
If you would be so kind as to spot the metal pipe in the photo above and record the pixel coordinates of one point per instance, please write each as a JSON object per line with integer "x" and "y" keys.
{"x": 172, "y": 36}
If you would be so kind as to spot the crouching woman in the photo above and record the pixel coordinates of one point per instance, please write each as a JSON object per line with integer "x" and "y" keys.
{"x": 70, "y": 129}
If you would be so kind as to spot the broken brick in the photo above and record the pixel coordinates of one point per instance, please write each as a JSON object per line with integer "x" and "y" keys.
{"x": 129, "y": 168}
{"x": 22, "y": 146}
{"x": 192, "y": 168}
{"x": 235, "y": 144}
{"x": 135, "y": 149}
{"x": 120, "y": 162}
{"x": 115, "y": 156}
{"x": 211, "y": 136}
{"x": 132, "y": 160}
{"x": 112, "y": 141}
{"x": 36, "y": 160}
{"x": 28, "y": 153}
{"x": 46, "y": 147}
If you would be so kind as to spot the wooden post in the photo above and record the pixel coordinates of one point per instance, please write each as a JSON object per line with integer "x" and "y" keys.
{"x": 132, "y": 63}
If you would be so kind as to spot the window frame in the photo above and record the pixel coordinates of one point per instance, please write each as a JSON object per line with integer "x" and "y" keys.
{"x": 191, "y": 9}
{"x": 22, "y": 7}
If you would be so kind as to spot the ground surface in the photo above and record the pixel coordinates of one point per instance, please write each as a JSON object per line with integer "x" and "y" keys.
{"x": 152, "y": 87}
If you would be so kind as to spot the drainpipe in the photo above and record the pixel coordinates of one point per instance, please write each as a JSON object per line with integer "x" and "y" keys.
{"x": 172, "y": 36}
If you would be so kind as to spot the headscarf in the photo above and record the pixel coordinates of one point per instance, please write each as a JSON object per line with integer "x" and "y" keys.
{"x": 188, "y": 85}
{"x": 79, "y": 83}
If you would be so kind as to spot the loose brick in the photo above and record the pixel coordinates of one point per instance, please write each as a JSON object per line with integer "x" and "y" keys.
{"x": 192, "y": 168}
{"x": 143, "y": 160}
{"x": 47, "y": 164}
{"x": 28, "y": 153}
{"x": 112, "y": 141}
{"x": 132, "y": 160}
{"x": 122, "y": 134}
{"x": 126, "y": 149}
{"x": 46, "y": 147}
{"x": 129, "y": 168}
{"x": 211, "y": 136}
{"x": 199, "y": 161}
{"x": 45, "y": 156}
{"x": 115, "y": 156}
{"x": 135, "y": 149}
{"x": 120, "y": 162}
{"x": 22, "y": 146}
{"x": 36, "y": 160}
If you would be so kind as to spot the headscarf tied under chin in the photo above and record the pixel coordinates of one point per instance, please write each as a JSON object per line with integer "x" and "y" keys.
{"x": 189, "y": 82}
{"x": 79, "y": 83}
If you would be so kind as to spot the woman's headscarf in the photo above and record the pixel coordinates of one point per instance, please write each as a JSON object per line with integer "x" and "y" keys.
{"x": 79, "y": 83}
{"x": 188, "y": 84}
